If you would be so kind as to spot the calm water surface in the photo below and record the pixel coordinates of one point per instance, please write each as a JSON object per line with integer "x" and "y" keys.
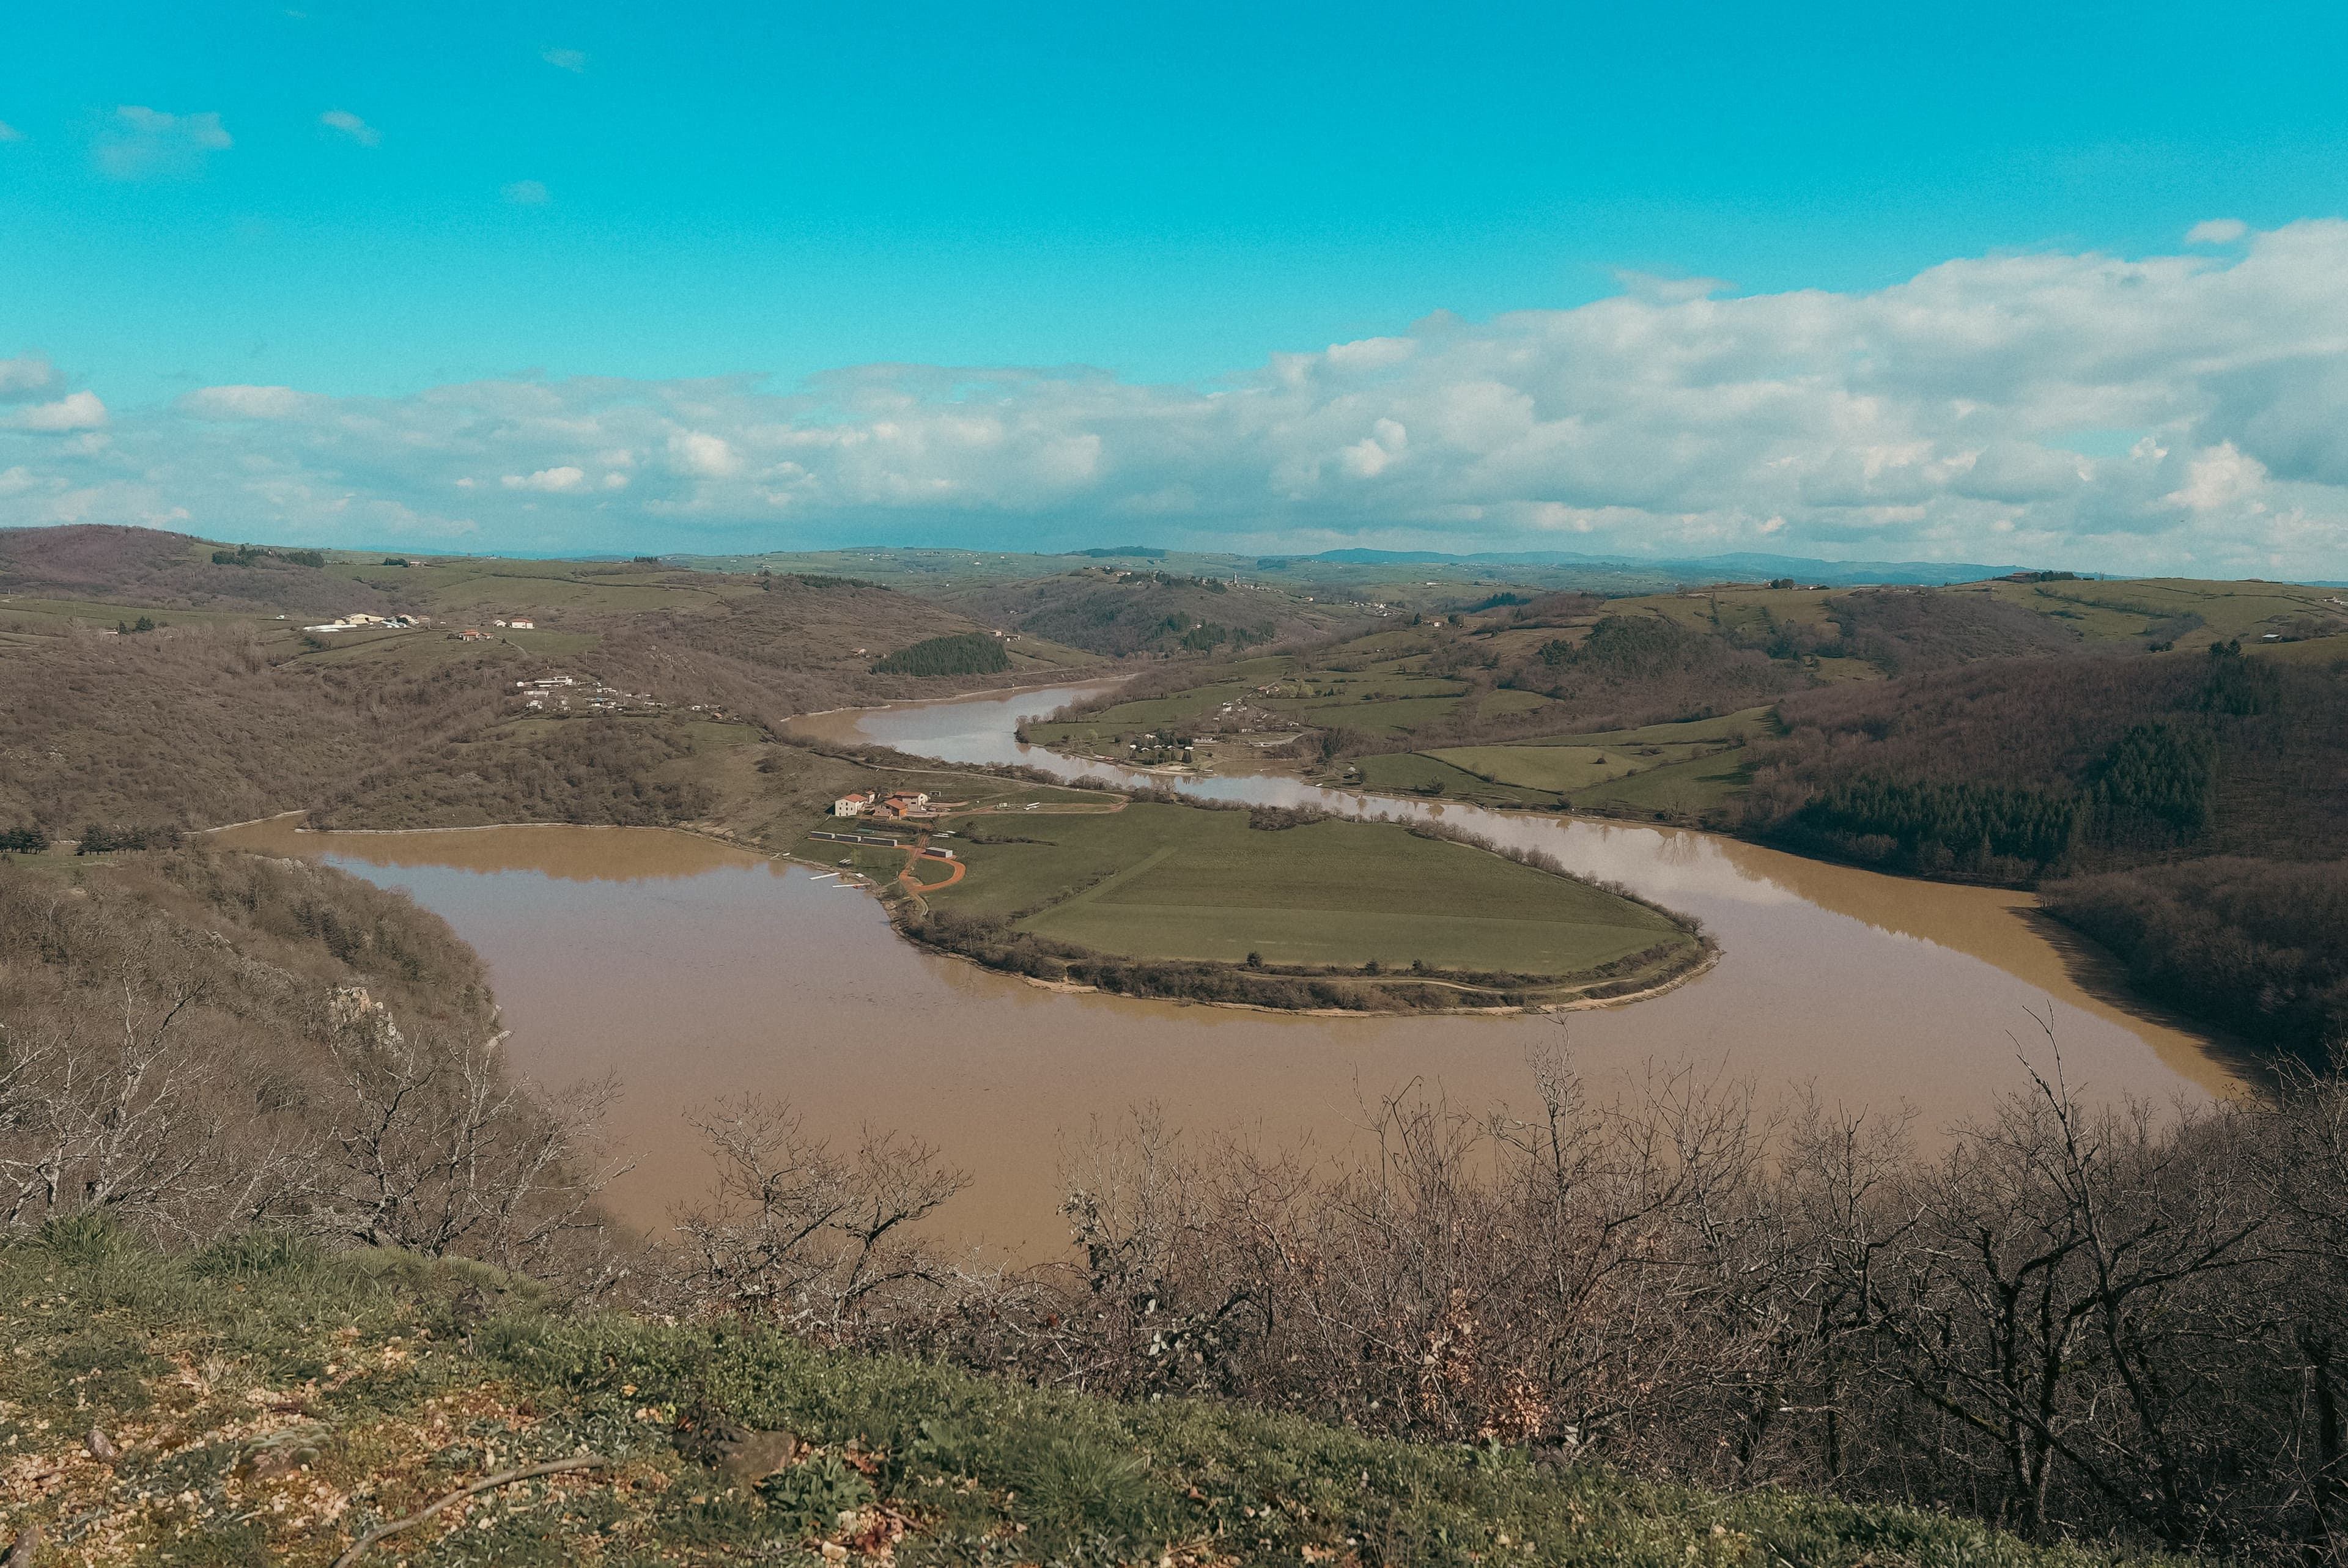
{"x": 693, "y": 972}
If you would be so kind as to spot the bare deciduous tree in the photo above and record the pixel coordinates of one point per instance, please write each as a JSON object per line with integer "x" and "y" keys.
{"x": 798, "y": 1234}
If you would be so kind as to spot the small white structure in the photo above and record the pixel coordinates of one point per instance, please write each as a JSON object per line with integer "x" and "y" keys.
{"x": 523, "y": 625}
{"x": 852, "y": 804}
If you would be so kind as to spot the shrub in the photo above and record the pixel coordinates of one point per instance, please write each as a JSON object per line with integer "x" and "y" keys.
{"x": 815, "y": 1492}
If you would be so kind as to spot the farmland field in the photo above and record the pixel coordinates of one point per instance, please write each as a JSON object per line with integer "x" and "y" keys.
{"x": 1560, "y": 770}
{"x": 1163, "y": 881}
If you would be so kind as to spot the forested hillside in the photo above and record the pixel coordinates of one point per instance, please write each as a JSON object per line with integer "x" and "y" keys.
{"x": 2015, "y": 768}
{"x": 1115, "y": 612}
{"x": 2199, "y": 800}
{"x": 2259, "y": 947}
{"x": 1909, "y": 632}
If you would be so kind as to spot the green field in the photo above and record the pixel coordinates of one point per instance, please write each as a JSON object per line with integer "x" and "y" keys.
{"x": 1370, "y": 713}
{"x": 1560, "y": 770}
{"x": 1421, "y": 774}
{"x": 1167, "y": 881}
{"x": 1677, "y": 789}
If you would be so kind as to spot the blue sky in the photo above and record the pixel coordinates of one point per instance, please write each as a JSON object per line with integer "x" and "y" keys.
{"x": 375, "y": 202}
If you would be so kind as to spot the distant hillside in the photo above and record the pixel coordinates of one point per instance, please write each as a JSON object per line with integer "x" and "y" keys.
{"x": 224, "y": 714}
{"x": 1693, "y": 569}
{"x": 1909, "y": 631}
{"x": 145, "y": 566}
{"x": 2186, "y": 752}
{"x": 1112, "y": 611}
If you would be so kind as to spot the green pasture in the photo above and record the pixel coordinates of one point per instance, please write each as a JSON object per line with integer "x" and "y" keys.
{"x": 1040, "y": 653}
{"x": 1401, "y": 642}
{"x": 1177, "y": 882}
{"x": 2313, "y": 651}
{"x": 1420, "y": 774}
{"x": 1136, "y": 717}
{"x": 1369, "y": 714}
{"x": 1686, "y": 788}
{"x": 452, "y": 593}
{"x": 1560, "y": 770}
{"x": 2130, "y": 607}
{"x": 1725, "y": 728}
{"x": 58, "y": 613}
{"x": 430, "y": 647}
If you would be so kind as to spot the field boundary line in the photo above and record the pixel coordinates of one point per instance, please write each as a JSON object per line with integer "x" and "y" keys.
{"x": 1149, "y": 862}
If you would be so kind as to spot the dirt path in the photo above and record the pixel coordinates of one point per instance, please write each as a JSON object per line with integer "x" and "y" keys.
{"x": 914, "y": 856}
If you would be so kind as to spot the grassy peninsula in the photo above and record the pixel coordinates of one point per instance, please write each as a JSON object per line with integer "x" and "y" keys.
{"x": 1283, "y": 908}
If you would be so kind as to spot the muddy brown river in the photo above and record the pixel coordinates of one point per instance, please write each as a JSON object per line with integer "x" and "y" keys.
{"x": 694, "y": 970}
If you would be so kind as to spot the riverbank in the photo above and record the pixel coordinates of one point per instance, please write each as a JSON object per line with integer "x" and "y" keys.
{"x": 1700, "y": 962}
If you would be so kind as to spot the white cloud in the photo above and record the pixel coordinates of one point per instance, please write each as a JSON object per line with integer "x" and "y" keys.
{"x": 142, "y": 143}
{"x": 527, "y": 193}
{"x": 1376, "y": 453}
{"x": 1664, "y": 290}
{"x": 552, "y": 481}
{"x": 1370, "y": 354}
{"x": 351, "y": 126}
{"x": 26, "y": 378}
{"x": 246, "y": 403}
{"x": 704, "y": 456}
{"x": 571, "y": 60}
{"x": 2221, "y": 478}
{"x": 75, "y": 411}
{"x": 1936, "y": 418}
{"x": 2217, "y": 231}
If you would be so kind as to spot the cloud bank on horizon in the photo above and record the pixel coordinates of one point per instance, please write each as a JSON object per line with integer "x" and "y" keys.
{"x": 2182, "y": 413}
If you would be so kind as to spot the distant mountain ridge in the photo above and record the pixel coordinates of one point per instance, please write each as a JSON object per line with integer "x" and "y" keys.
{"x": 1741, "y": 564}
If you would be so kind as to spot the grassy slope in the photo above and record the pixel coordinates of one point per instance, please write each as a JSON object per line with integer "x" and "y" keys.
{"x": 270, "y": 1405}
{"x": 1679, "y": 770}
{"x": 1172, "y": 881}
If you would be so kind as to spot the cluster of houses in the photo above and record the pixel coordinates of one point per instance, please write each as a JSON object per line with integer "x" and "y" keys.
{"x": 358, "y": 621}
{"x": 903, "y": 805}
{"x": 555, "y": 693}
{"x": 475, "y": 634}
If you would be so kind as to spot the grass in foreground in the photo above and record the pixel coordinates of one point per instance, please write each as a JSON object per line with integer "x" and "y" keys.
{"x": 270, "y": 1404}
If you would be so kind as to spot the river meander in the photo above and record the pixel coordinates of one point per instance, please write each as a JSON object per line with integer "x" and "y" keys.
{"x": 694, "y": 970}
